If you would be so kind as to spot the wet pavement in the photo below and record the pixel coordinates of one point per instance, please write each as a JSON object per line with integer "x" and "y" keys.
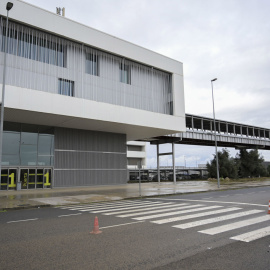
{"x": 62, "y": 196}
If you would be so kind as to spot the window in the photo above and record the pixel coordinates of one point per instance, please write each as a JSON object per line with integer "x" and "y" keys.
{"x": 91, "y": 64}
{"x": 134, "y": 148}
{"x": 66, "y": 87}
{"x": 45, "y": 149}
{"x": 125, "y": 73}
{"x": 171, "y": 107}
{"x": 11, "y": 146}
{"x": 35, "y": 45}
{"x": 27, "y": 148}
{"x": 134, "y": 161}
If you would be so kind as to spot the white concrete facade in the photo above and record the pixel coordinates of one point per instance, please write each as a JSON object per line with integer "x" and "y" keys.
{"x": 136, "y": 154}
{"x": 26, "y": 105}
{"x": 78, "y": 101}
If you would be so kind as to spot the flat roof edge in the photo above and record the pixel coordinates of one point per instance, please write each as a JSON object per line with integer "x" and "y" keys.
{"x": 48, "y": 21}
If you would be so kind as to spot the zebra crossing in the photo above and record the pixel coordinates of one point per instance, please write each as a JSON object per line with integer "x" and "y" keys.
{"x": 177, "y": 215}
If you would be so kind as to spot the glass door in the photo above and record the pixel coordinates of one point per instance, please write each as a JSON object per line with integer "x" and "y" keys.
{"x": 24, "y": 178}
{"x": 12, "y": 178}
{"x": 8, "y": 179}
{"x": 4, "y": 179}
{"x": 47, "y": 178}
{"x": 32, "y": 178}
{"x": 39, "y": 178}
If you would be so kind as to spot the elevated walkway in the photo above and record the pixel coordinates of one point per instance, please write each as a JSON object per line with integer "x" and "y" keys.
{"x": 200, "y": 131}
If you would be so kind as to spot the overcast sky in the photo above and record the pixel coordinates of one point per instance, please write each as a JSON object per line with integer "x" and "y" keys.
{"x": 224, "y": 39}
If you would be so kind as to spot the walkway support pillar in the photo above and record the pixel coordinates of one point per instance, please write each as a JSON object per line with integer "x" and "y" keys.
{"x": 173, "y": 161}
{"x": 158, "y": 169}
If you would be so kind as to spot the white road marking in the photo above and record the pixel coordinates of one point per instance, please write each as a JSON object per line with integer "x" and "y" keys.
{"x": 22, "y": 220}
{"x": 236, "y": 225}
{"x": 70, "y": 215}
{"x": 167, "y": 220}
{"x": 217, "y": 219}
{"x": 177, "y": 212}
{"x": 160, "y": 211}
{"x": 112, "y": 206}
{"x": 90, "y": 205}
{"x": 173, "y": 205}
{"x": 107, "y": 206}
{"x": 124, "y": 208}
{"x": 254, "y": 235}
{"x": 120, "y": 225}
{"x": 187, "y": 200}
{"x": 224, "y": 196}
{"x": 102, "y": 204}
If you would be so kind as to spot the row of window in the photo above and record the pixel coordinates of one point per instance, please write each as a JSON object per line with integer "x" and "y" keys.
{"x": 32, "y": 47}
{"x": 56, "y": 60}
{"x": 51, "y": 51}
{"x": 54, "y": 54}
{"x": 66, "y": 87}
{"x": 92, "y": 67}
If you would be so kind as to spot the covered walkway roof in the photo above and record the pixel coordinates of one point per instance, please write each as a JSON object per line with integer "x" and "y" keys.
{"x": 200, "y": 131}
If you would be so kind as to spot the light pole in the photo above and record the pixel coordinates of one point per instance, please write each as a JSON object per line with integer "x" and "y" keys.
{"x": 8, "y": 8}
{"x": 215, "y": 131}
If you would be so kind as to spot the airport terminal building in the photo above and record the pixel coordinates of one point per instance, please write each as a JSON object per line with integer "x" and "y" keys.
{"x": 74, "y": 97}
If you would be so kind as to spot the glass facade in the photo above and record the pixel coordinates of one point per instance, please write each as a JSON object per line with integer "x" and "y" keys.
{"x": 27, "y": 145}
{"x": 28, "y": 156}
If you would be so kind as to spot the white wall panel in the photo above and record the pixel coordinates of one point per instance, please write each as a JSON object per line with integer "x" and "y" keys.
{"x": 37, "y": 107}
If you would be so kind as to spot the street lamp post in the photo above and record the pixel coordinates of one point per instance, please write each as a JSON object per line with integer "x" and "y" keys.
{"x": 8, "y": 8}
{"x": 215, "y": 132}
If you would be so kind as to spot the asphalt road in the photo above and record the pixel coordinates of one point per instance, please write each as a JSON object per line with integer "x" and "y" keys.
{"x": 195, "y": 231}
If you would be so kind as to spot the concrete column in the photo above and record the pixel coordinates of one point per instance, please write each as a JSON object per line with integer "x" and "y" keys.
{"x": 158, "y": 169}
{"x": 173, "y": 160}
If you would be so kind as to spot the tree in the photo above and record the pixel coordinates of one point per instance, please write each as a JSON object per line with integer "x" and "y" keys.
{"x": 251, "y": 163}
{"x": 227, "y": 165}
{"x": 268, "y": 170}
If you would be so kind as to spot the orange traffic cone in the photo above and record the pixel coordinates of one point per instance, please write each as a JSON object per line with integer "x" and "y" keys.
{"x": 96, "y": 227}
{"x": 269, "y": 208}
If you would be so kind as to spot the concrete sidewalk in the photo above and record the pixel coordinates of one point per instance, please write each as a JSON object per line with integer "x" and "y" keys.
{"x": 62, "y": 196}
